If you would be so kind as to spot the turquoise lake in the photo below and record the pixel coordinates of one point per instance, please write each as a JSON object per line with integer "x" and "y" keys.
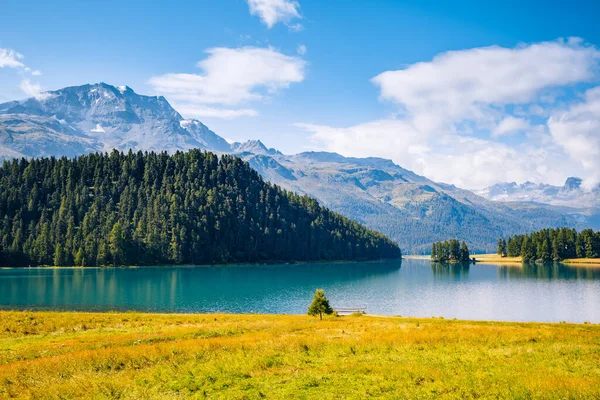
{"x": 553, "y": 292}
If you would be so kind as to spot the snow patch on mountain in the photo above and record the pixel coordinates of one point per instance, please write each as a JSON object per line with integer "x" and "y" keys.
{"x": 98, "y": 129}
{"x": 99, "y": 117}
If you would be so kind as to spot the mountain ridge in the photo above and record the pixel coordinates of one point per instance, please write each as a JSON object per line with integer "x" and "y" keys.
{"x": 571, "y": 194}
{"x": 410, "y": 208}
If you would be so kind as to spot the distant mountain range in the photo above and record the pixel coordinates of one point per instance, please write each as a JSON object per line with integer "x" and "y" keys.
{"x": 571, "y": 199}
{"x": 411, "y": 209}
{"x": 571, "y": 194}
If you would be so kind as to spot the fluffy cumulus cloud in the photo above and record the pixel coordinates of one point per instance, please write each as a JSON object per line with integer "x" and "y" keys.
{"x": 10, "y": 59}
{"x": 577, "y": 130}
{"x": 272, "y": 12}
{"x": 401, "y": 141}
{"x": 476, "y": 84}
{"x": 231, "y": 77}
{"x": 465, "y": 161}
{"x": 33, "y": 90}
{"x": 510, "y": 125}
{"x": 475, "y": 117}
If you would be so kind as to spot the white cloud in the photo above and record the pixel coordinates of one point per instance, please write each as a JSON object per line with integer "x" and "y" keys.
{"x": 33, "y": 90}
{"x": 273, "y": 11}
{"x": 577, "y": 130}
{"x": 537, "y": 110}
{"x": 301, "y": 50}
{"x": 296, "y": 27}
{"x": 465, "y": 161}
{"x": 476, "y": 84}
{"x": 199, "y": 111}
{"x": 510, "y": 125}
{"x": 10, "y": 59}
{"x": 385, "y": 138}
{"x": 470, "y": 162}
{"x": 230, "y": 77}
{"x": 456, "y": 114}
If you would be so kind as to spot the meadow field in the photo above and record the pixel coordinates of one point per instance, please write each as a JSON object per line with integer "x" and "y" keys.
{"x": 47, "y": 355}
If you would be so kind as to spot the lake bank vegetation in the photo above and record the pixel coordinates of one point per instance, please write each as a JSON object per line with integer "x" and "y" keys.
{"x": 550, "y": 245}
{"x": 149, "y": 209}
{"x": 164, "y": 356}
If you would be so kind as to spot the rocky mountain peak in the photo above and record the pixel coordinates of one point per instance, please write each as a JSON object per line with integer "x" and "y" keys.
{"x": 253, "y": 146}
{"x": 572, "y": 183}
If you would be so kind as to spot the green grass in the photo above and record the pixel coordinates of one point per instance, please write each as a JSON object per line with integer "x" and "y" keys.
{"x": 140, "y": 356}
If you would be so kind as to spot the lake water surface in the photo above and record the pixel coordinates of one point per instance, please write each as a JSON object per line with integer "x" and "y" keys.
{"x": 553, "y": 292}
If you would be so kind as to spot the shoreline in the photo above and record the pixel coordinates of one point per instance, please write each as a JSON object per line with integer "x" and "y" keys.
{"x": 261, "y": 264}
{"x": 42, "y": 311}
{"x": 494, "y": 259}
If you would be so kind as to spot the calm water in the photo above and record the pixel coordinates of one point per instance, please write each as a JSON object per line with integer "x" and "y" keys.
{"x": 552, "y": 292}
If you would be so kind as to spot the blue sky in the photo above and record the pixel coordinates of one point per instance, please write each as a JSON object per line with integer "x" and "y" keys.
{"x": 305, "y": 75}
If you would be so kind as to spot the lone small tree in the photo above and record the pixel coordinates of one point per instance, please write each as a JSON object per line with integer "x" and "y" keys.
{"x": 320, "y": 304}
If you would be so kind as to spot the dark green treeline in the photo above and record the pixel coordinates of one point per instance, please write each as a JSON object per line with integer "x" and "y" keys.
{"x": 552, "y": 245}
{"x": 148, "y": 208}
{"x": 450, "y": 250}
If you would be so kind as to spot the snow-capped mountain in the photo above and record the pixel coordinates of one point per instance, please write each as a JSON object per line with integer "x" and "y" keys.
{"x": 98, "y": 117}
{"x": 571, "y": 194}
{"x": 411, "y": 209}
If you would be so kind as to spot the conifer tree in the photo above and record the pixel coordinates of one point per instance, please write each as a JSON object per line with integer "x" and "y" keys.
{"x": 555, "y": 245}
{"x": 320, "y": 305}
{"x": 159, "y": 208}
{"x": 450, "y": 250}
{"x": 464, "y": 252}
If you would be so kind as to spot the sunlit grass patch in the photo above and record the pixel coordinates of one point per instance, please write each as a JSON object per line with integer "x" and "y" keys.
{"x": 129, "y": 355}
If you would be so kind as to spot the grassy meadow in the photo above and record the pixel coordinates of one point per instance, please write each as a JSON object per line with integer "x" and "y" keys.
{"x": 157, "y": 356}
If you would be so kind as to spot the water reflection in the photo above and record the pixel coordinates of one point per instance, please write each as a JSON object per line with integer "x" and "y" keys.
{"x": 455, "y": 271}
{"x": 549, "y": 271}
{"x": 554, "y": 292}
{"x": 209, "y": 288}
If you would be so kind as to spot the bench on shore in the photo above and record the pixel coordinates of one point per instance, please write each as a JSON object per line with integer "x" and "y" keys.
{"x": 350, "y": 310}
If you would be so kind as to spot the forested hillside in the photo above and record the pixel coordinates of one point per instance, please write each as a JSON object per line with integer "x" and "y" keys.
{"x": 148, "y": 208}
{"x": 552, "y": 245}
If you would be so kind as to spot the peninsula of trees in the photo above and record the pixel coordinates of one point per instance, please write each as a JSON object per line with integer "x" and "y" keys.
{"x": 149, "y": 208}
{"x": 552, "y": 245}
{"x": 450, "y": 250}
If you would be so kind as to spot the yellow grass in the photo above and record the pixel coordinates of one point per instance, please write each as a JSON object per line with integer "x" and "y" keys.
{"x": 594, "y": 262}
{"x": 496, "y": 259}
{"x": 145, "y": 356}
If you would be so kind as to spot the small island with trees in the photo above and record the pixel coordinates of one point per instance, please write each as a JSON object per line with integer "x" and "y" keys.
{"x": 450, "y": 251}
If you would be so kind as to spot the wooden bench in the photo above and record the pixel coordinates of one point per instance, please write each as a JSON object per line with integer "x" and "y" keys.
{"x": 350, "y": 310}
